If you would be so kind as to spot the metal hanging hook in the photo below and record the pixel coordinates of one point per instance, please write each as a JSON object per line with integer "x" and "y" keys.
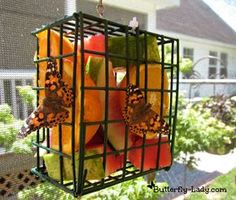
{"x": 100, "y": 8}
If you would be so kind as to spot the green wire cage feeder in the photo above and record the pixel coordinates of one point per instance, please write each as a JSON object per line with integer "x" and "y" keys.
{"x": 123, "y": 87}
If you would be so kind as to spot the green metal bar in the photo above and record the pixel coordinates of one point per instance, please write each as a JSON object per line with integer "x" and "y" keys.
{"x": 56, "y": 57}
{"x": 114, "y": 89}
{"x": 37, "y": 84}
{"x": 137, "y": 58}
{"x": 74, "y": 106}
{"x": 145, "y": 97}
{"x": 54, "y": 182}
{"x": 176, "y": 101}
{"x": 143, "y": 152}
{"x": 91, "y": 17}
{"x": 48, "y": 138}
{"x": 79, "y": 19}
{"x": 48, "y": 26}
{"x": 161, "y": 107}
{"x": 60, "y": 126}
{"x": 127, "y": 83}
{"x": 51, "y": 150}
{"x": 124, "y": 89}
{"x": 48, "y": 55}
{"x": 123, "y": 150}
{"x": 105, "y": 132}
{"x": 111, "y": 183}
{"x": 171, "y": 86}
{"x": 43, "y": 136}
{"x": 146, "y": 66}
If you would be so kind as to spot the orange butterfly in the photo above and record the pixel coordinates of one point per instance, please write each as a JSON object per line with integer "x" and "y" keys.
{"x": 139, "y": 116}
{"x": 52, "y": 111}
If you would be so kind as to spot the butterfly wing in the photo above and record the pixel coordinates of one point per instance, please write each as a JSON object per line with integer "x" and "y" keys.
{"x": 55, "y": 87}
{"x": 42, "y": 117}
{"x": 51, "y": 112}
{"x": 134, "y": 97}
{"x": 140, "y": 117}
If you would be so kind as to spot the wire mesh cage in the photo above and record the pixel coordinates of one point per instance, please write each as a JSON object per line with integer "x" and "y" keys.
{"x": 94, "y": 148}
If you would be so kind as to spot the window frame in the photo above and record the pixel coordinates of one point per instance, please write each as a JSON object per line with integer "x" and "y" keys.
{"x": 187, "y": 54}
{"x": 218, "y": 65}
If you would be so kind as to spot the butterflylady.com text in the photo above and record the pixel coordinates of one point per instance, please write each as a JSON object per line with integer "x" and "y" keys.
{"x": 181, "y": 189}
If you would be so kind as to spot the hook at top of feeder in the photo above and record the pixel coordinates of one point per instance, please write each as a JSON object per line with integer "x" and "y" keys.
{"x": 100, "y": 8}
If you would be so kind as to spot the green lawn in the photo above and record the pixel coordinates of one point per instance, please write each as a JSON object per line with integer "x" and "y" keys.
{"x": 227, "y": 181}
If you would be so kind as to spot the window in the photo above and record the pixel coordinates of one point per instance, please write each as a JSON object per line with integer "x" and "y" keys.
{"x": 188, "y": 53}
{"x": 223, "y": 65}
{"x": 217, "y": 65}
{"x": 212, "y": 73}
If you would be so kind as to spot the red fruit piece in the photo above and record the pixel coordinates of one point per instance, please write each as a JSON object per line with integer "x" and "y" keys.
{"x": 94, "y": 43}
{"x": 150, "y": 154}
{"x": 113, "y": 161}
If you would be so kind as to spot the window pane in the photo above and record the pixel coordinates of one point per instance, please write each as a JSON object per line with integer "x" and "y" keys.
{"x": 213, "y": 61}
{"x": 223, "y": 72}
{"x": 224, "y": 59}
{"x": 188, "y": 53}
{"x": 212, "y": 72}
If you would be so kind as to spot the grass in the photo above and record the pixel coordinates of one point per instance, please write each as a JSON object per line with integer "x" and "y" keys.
{"x": 227, "y": 181}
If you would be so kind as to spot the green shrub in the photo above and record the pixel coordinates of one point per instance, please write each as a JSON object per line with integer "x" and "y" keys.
{"x": 197, "y": 130}
{"x": 9, "y": 127}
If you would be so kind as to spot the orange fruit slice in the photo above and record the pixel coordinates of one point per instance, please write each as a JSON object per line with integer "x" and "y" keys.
{"x": 92, "y": 104}
{"x": 54, "y": 52}
{"x": 154, "y": 82}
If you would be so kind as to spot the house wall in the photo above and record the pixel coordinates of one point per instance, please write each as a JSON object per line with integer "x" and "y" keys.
{"x": 118, "y": 14}
{"x": 145, "y": 7}
{"x": 17, "y": 46}
{"x": 201, "y": 49}
{"x": 17, "y": 20}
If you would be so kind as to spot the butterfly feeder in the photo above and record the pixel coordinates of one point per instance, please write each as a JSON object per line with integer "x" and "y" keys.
{"x": 107, "y": 103}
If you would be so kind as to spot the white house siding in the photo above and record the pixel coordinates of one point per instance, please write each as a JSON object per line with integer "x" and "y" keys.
{"x": 201, "y": 49}
{"x": 147, "y": 7}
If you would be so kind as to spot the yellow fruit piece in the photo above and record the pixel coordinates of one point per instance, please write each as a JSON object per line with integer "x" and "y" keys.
{"x": 154, "y": 82}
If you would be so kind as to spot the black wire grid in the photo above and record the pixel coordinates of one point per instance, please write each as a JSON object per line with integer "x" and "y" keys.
{"x": 76, "y": 28}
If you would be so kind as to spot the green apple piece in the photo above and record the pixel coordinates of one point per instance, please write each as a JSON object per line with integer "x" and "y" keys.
{"x": 93, "y": 166}
{"x": 52, "y": 163}
{"x": 96, "y": 68}
{"x": 95, "y": 170}
{"x": 117, "y": 45}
